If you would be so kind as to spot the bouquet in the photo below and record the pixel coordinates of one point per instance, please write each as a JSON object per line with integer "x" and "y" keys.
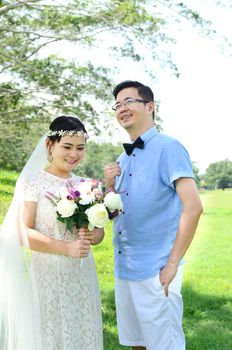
{"x": 84, "y": 204}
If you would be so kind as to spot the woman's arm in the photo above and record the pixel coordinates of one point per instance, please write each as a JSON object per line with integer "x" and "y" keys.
{"x": 42, "y": 243}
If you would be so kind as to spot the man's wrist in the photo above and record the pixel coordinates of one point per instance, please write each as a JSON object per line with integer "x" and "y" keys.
{"x": 173, "y": 262}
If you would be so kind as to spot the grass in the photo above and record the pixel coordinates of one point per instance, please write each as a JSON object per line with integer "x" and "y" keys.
{"x": 207, "y": 284}
{"x": 207, "y": 288}
{"x": 7, "y": 182}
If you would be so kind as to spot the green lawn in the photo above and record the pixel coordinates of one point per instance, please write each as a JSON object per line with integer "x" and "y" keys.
{"x": 207, "y": 286}
{"x": 7, "y": 182}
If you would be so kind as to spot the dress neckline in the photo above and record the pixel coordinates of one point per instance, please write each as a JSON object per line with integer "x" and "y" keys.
{"x": 58, "y": 177}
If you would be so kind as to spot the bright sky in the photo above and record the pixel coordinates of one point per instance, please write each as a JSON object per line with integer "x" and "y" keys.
{"x": 196, "y": 108}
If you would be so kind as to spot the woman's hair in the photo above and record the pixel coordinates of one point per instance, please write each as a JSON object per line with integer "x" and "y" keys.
{"x": 64, "y": 125}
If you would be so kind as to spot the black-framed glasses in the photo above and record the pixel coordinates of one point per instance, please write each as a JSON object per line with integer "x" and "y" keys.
{"x": 127, "y": 102}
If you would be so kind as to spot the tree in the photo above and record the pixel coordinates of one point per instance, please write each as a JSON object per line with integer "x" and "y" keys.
{"x": 196, "y": 174}
{"x": 97, "y": 156}
{"x": 224, "y": 182}
{"x": 46, "y": 85}
{"x": 51, "y": 84}
{"x": 219, "y": 175}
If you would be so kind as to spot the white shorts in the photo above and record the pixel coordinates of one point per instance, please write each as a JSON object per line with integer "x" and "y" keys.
{"x": 146, "y": 317}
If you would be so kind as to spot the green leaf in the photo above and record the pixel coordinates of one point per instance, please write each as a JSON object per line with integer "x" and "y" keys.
{"x": 69, "y": 223}
{"x": 81, "y": 219}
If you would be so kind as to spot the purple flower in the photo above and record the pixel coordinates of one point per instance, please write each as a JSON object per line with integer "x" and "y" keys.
{"x": 73, "y": 194}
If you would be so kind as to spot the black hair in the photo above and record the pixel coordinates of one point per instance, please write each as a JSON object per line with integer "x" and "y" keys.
{"x": 65, "y": 123}
{"x": 144, "y": 91}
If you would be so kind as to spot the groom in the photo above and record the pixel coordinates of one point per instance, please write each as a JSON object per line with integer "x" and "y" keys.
{"x": 160, "y": 216}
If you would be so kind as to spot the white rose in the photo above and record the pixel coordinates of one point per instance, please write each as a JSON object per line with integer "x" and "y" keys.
{"x": 86, "y": 195}
{"x": 97, "y": 215}
{"x": 63, "y": 192}
{"x": 87, "y": 198}
{"x": 66, "y": 207}
{"x": 113, "y": 202}
{"x": 84, "y": 186}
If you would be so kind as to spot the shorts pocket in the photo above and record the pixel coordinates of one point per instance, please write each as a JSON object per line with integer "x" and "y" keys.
{"x": 155, "y": 286}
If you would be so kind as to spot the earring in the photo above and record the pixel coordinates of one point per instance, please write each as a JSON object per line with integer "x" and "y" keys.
{"x": 49, "y": 157}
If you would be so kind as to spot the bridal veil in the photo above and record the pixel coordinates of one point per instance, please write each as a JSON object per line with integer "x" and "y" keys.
{"x": 19, "y": 314}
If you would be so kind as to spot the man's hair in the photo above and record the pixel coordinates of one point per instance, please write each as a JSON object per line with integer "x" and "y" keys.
{"x": 144, "y": 91}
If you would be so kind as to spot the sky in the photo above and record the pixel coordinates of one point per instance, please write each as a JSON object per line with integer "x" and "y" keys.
{"x": 196, "y": 108}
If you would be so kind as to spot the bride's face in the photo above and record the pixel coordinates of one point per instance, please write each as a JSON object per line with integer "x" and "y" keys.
{"x": 67, "y": 153}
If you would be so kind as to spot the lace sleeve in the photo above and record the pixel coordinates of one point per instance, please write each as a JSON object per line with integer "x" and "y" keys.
{"x": 29, "y": 189}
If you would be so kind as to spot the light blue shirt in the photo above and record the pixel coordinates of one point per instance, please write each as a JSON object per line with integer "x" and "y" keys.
{"x": 144, "y": 233}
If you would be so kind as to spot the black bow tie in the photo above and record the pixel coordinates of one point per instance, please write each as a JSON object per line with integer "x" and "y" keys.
{"x": 129, "y": 147}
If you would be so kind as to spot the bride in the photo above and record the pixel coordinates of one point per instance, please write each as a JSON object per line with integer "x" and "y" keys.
{"x": 49, "y": 300}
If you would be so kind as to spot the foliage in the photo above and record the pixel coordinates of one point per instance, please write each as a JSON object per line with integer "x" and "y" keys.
{"x": 196, "y": 174}
{"x": 219, "y": 175}
{"x": 47, "y": 83}
{"x": 7, "y": 183}
{"x": 31, "y": 30}
{"x": 38, "y": 84}
{"x": 97, "y": 156}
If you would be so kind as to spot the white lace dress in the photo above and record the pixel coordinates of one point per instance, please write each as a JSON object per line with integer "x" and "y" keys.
{"x": 69, "y": 299}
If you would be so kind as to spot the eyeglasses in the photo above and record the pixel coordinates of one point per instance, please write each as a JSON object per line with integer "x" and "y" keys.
{"x": 127, "y": 102}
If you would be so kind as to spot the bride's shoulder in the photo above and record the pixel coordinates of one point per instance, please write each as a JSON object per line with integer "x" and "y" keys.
{"x": 32, "y": 179}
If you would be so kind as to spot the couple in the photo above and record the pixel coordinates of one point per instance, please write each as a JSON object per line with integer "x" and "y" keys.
{"x": 58, "y": 307}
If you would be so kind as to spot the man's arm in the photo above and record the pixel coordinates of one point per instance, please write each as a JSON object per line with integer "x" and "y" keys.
{"x": 191, "y": 212}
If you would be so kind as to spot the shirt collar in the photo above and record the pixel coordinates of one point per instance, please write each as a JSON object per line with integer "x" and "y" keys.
{"x": 149, "y": 134}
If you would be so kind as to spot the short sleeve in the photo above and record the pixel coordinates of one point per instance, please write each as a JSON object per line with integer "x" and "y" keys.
{"x": 29, "y": 189}
{"x": 176, "y": 163}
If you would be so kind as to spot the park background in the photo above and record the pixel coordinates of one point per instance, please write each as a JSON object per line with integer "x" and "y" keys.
{"x": 64, "y": 57}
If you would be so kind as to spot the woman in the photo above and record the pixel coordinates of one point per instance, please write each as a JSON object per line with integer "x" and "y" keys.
{"x": 57, "y": 306}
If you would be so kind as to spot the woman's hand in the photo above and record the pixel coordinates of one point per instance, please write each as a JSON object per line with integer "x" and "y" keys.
{"x": 79, "y": 248}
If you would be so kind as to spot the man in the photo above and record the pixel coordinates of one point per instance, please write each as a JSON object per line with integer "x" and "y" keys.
{"x": 160, "y": 216}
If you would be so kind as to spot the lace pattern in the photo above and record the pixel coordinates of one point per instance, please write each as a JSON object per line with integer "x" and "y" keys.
{"x": 69, "y": 299}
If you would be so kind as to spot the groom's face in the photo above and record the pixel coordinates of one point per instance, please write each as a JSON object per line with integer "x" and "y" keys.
{"x": 131, "y": 116}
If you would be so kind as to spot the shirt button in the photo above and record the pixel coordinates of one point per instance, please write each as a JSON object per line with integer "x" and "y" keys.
{"x": 127, "y": 194}
{"x": 119, "y": 232}
{"x": 123, "y": 212}
{"x": 130, "y": 174}
{"x": 119, "y": 252}
{"x": 133, "y": 155}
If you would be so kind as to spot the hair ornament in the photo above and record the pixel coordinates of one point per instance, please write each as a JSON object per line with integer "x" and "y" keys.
{"x": 67, "y": 132}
